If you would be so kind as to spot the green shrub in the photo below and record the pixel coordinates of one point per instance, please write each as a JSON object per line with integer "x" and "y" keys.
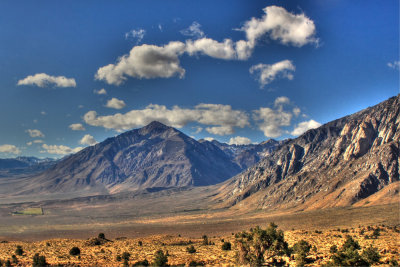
{"x": 226, "y": 246}
{"x": 371, "y": 255}
{"x": 14, "y": 259}
{"x": 118, "y": 258}
{"x": 191, "y": 249}
{"x": 160, "y": 259}
{"x": 126, "y": 256}
{"x": 102, "y": 236}
{"x": 205, "y": 240}
{"x": 39, "y": 261}
{"x": 196, "y": 263}
{"x": 74, "y": 251}
{"x": 19, "y": 251}
{"x": 333, "y": 249}
{"x": 140, "y": 243}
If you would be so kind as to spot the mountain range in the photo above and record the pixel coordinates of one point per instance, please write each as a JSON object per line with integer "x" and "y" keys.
{"x": 353, "y": 160}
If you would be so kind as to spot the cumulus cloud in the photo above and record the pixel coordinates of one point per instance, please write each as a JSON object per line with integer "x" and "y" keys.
{"x": 59, "y": 149}
{"x": 145, "y": 62}
{"x": 77, "y": 127}
{"x": 136, "y": 35}
{"x": 239, "y": 140}
{"x": 268, "y": 73}
{"x": 88, "y": 140}
{"x": 272, "y": 120}
{"x": 209, "y": 139}
{"x": 9, "y": 149}
{"x": 102, "y": 91}
{"x": 220, "y": 130}
{"x": 282, "y": 26}
{"x": 211, "y": 48}
{"x": 45, "y": 80}
{"x": 206, "y": 114}
{"x": 151, "y": 61}
{"x": 35, "y": 133}
{"x": 394, "y": 65}
{"x": 304, "y": 126}
{"x": 115, "y": 103}
{"x": 193, "y": 30}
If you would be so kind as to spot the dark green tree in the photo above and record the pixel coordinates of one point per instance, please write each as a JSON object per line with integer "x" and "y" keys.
{"x": 19, "y": 251}
{"x": 160, "y": 259}
{"x": 39, "y": 261}
{"x": 74, "y": 251}
{"x": 226, "y": 246}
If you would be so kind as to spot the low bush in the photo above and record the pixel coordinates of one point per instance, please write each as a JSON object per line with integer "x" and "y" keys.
{"x": 19, "y": 251}
{"x": 39, "y": 261}
{"x": 191, "y": 249}
{"x": 75, "y": 251}
{"x": 160, "y": 259}
{"x": 226, "y": 246}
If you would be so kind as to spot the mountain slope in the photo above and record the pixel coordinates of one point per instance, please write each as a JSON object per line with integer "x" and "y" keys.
{"x": 340, "y": 163}
{"x": 153, "y": 156}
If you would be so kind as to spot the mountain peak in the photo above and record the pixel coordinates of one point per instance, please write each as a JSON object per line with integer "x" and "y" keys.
{"x": 154, "y": 126}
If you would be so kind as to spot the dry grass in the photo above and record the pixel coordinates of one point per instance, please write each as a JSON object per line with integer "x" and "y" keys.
{"x": 57, "y": 250}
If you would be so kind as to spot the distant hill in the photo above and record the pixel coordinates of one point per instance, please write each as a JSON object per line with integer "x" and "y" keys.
{"x": 155, "y": 156}
{"x": 24, "y": 165}
{"x": 350, "y": 161}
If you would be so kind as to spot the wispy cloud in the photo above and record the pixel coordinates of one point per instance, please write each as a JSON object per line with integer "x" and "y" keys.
{"x": 35, "y": 133}
{"x": 394, "y": 65}
{"x": 102, "y": 91}
{"x": 267, "y": 73}
{"x": 239, "y": 140}
{"x": 136, "y": 35}
{"x": 45, "y": 80}
{"x": 193, "y": 30}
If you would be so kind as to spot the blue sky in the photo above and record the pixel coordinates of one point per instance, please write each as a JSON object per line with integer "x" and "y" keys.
{"x": 235, "y": 71}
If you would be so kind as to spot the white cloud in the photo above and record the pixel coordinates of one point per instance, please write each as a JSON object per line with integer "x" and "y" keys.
{"x": 272, "y": 120}
{"x": 151, "y": 61}
{"x": 136, "y": 35}
{"x": 239, "y": 140}
{"x": 268, "y": 73}
{"x": 211, "y": 48}
{"x": 394, "y": 65}
{"x": 115, "y": 103}
{"x": 35, "y": 133}
{"x": 88, "y": 140}
{"x": 281, "y": 100}
{"x": 209, "y": 139}
{"x": 206, "y": 114}
{"x": 77, "y": 127}
{"x": 59, "y": 149}
{"x": 37, "y": 141}
{"x": 220, "y": 130}
{"x": 193, "y": 30}
{"x": 304, "y": 126}
{"x": 44, "y": 80}
{"x": 43, "y": 113}
{"x": 198, "y": 129}
{"x": 29, "y": 143}
{"x": 102, "y": 91}
{"x": 282, "y": 26}
{"x": 145, "y": 62}
{"x": 9, "y": 149}
{"x": 296, "y": 111}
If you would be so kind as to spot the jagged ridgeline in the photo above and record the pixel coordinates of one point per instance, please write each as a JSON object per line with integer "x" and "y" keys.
{"x": 350, "y": 161}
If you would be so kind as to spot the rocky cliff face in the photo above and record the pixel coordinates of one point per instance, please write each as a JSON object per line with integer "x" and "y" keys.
{"x": 343, "y": 162}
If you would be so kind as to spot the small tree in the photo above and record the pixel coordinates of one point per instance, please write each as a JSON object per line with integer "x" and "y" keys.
{"x": 301, "y": 249}
{"x": 140, "y": 243}
{"x": 39, "y": 261}
{"x": 348, "y": 254}
{"x": 205, "y": 240}
{"x": 160, "y": 259}
{"x": 191, "y": 249}
{"x": 14, "y": 259}
{"x": 74, "y": 251}
{"x": 102, "y": 236}
{"x": 19, "y": 251}
{"x": 226, "y": 246}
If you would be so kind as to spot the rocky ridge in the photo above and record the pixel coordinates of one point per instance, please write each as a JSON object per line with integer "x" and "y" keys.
{"x": 344, "y": 162}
